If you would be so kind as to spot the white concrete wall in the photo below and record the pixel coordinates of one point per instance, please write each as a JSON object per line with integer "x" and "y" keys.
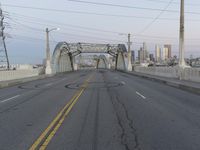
{"x": 62, "y": 64}
{"x": 121, "y": 62}
{"x": 190, "y": 74}
{"x": 169, "y": 72}
{"x": 19, "y": 74}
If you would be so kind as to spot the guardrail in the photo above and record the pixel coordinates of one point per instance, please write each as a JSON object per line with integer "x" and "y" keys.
{"x": 19, "y": 74}
{"x": 190, "y": 74}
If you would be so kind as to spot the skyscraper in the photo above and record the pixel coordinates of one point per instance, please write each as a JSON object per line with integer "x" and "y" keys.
{"x": 167, "y": 51}
{"x": 145, "y": 53}
{"x": 132, "y": 56}
{"x": 157, "y": 53}
{"x": 141, "y": 55}
{"x": 151, "y": 57}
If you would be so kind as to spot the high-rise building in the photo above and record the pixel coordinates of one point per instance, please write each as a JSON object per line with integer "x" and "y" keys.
{"x": 132, "y": 56}
{"x": 141, "y": 55}
{"x": 151, "y": 57}
{"x": 167, "y": 52}
{"x": 157, "y": 53}
{"x": 145, "y": 53}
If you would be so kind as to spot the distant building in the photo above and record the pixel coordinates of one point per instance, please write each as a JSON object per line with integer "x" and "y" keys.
{"x": 146, "y": 54}
{"x": 158, "y": 53}
{"x": 151, "y": 57}
{"x": 132, "y": 56}
{"x": 167, "y": 52}
{"x": 141, "y": 55}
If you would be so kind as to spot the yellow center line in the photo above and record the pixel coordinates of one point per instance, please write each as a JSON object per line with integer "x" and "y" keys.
{"x": 50, "y": 131}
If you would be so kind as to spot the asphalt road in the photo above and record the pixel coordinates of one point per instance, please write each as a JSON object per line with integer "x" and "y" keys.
{"x": 98, "y": 110}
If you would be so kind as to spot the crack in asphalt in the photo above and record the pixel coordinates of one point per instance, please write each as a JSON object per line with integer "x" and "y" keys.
{"x": 129, "y": 137}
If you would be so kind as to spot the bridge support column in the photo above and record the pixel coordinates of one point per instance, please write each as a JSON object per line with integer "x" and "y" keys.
{"x": 98, "y": 63}
{"x": 116, "y": 61}
{"x": 71, "y": 61}
{"x": 129, "y": 67}
{"x": 120, "y": 62}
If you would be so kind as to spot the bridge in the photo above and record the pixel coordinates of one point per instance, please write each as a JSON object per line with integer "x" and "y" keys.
{"x": 101, "y": 107}
{"x": 110, "y": 105}
{"x": 65, "y": 53}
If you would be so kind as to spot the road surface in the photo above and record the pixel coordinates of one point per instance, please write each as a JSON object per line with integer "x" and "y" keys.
{"x": 98, "y": 110}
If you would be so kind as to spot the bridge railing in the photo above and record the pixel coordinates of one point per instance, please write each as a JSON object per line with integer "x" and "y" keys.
{"x": 190, "y": 74}
{"x": 158, "y": 71}
{"x": 19, "y": 74}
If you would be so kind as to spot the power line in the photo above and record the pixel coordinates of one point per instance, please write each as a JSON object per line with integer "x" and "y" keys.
{"x": 94, "y": 3}
{"x": 82, "y": 30}
{"x": 32, "y": 28}
{"x": 81, "y": 27}
{"x": 177, "y": 3}
{"x": 131, "y": 7}
{"x": 156, "y": 18}
{"x": 112, "y": 15}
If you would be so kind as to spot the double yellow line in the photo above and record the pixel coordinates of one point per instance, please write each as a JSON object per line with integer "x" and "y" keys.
{"x": 42, "y": 142}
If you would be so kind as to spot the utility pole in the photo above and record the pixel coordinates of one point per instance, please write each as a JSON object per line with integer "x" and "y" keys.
{"x": 181, "y": 37}
{"x": 3, "y": 50}
{"x": 129, "y": 53}
{"x": 48, "y": 69}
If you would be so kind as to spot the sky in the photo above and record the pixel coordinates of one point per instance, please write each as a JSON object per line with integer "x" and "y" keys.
{"x": 150, "y": 21}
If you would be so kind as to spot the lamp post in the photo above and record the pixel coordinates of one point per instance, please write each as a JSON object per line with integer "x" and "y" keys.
{"x": 48, "y": 69}
{"x": 181, "y": 37}
{"x": 129, "y": 53}
{"x": 129, "y": 67}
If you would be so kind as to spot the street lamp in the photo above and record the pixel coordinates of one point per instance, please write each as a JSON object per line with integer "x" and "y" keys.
{"x": 129, "y": 68}
{"x": 48, "y": 69}
{"x": 181, "y": 36}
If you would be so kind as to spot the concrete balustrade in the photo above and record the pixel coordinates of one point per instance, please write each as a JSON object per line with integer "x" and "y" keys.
{"x": 169, "y": 72}
{"x": 190, "y": 74}
{"x": 19, "y": 74}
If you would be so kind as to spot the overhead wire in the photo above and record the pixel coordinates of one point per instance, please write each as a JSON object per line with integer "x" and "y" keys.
{"x": 156, "y": 18}
{"x": 130, "y": 7}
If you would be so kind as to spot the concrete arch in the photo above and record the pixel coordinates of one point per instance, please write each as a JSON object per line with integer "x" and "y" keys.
{"x": 64, "y": 55}
{"x": 62, "y": 60}
{"x": 102, "y": 62}
{"x": 120, "y": 61}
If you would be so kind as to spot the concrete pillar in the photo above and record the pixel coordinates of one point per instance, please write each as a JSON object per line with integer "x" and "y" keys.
{"x": 48, "y": 69}
{"x": 181, "y": 37}
{"x": 71, "y": 61}
{"x": 129, "y": 68}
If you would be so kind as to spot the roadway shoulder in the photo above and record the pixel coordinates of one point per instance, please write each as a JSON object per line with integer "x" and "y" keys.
{"x": 181, "y": 84}
{"x": 9, "y": 83}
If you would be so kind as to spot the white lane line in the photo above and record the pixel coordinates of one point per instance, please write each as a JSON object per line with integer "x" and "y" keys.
{"x": 140, "y": 95}
{"x": 122, "y": 82}
{"x": 8, "y": 99}
{"x": 49, "y": 84}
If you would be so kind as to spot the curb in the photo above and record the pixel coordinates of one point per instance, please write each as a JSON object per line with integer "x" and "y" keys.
{"x": 184, "y": 87}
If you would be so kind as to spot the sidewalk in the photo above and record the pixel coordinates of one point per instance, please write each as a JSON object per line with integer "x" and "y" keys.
{"x": 181, "y": 84}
